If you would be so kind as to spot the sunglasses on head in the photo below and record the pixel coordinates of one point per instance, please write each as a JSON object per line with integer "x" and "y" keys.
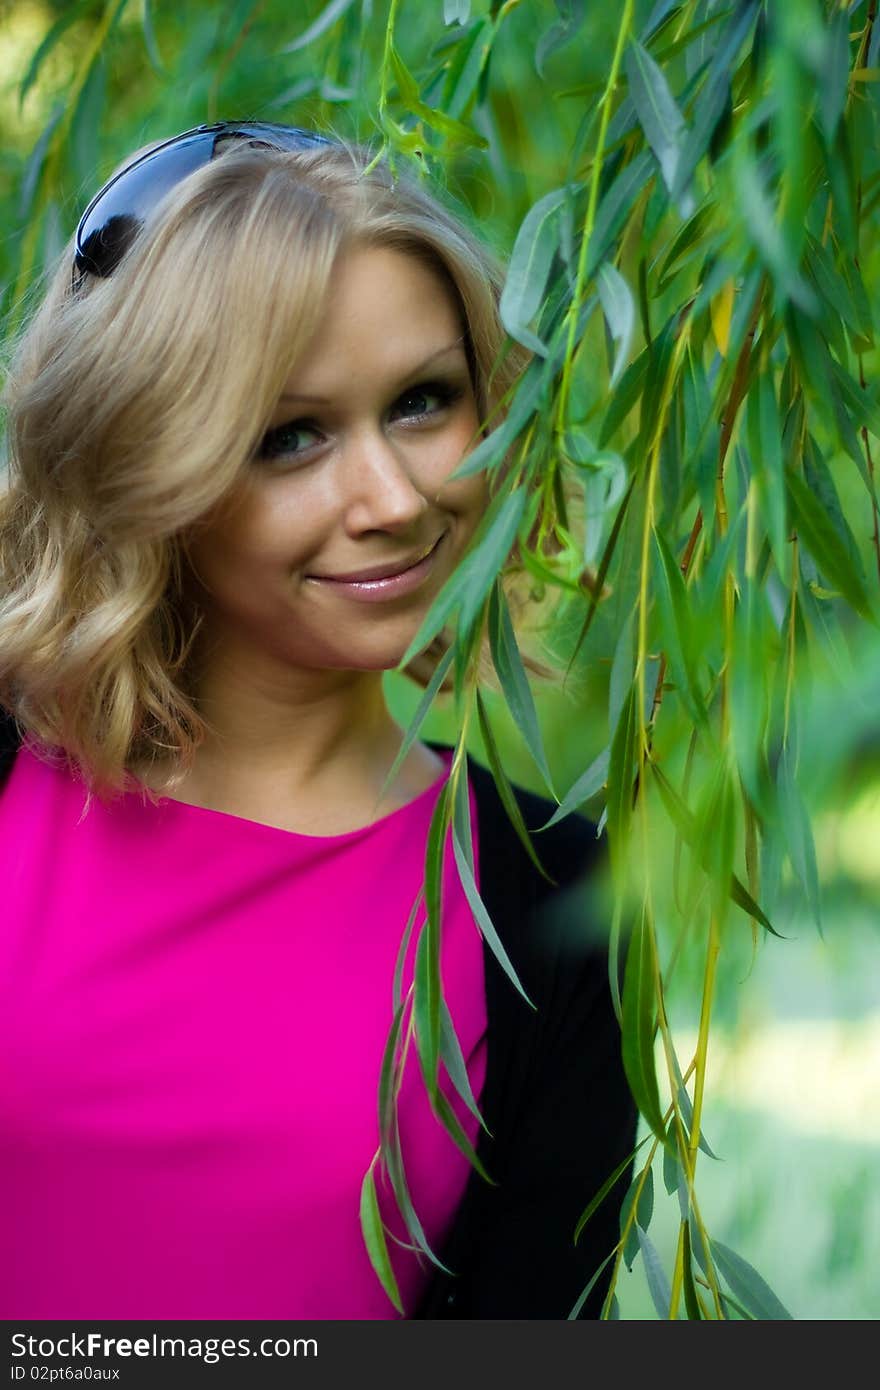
{"x": 119, "y": 210}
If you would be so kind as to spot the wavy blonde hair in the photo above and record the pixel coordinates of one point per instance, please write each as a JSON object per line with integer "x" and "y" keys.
{"x": 135, "y": 404}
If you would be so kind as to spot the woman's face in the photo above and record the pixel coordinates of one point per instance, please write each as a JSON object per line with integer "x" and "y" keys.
{"x": 352, "y": 481}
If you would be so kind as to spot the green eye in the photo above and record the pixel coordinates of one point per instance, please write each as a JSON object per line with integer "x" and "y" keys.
{"x": 285, "y": 440}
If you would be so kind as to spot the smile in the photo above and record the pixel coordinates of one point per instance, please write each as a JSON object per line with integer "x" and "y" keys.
{"x": 389, "y": 586}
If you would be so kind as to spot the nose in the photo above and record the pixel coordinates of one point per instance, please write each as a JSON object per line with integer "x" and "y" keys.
{"x": 381, "y": 487}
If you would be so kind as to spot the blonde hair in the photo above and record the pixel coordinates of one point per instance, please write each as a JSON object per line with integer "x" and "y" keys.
{"x": 135, "y": 405}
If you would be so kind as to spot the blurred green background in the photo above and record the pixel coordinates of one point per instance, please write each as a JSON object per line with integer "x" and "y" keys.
{"x": 793, "y": 1105}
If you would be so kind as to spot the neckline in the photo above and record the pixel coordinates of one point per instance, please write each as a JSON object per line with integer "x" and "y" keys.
{"x": 177, "y": 807}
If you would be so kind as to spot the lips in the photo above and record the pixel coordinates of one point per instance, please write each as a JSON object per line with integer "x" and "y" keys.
{"x": 386, "y": 570}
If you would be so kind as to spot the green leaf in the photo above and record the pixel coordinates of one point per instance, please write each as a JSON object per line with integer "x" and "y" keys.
{"x": 483, "y": 920}
{"x": 765, "y": 456}
{"x": 678, "y": 627}
{"x": 658, "y": 1284}
{"x": 427, "y": 986}
{"x": 606, "y": 1187}
{"x": 514, "y": 681}
{"x": 826, "y": 547}
{"x": 604, "y": 482}
{"x": 614, "y": 205}
{"x": 328, "y": 17}
{"x": 586, "y": 786}
{"x": 691, "y": 1301}
{"x": 685, "y": 823}
{"x": 374, "y": 1239}
{"x": 418, "y": 718}
{"x": 562, "y": 32}
{"x": 747, "y": 1285}
{"x": 628, "y": 392}
{"x": 456, "y": 133}
{"x": 505, "y": 791}
{"x": 536, "y": 244}
{"x": 620, "y": 782}
{"x": 150, "y": 43}
{"x": 714, "y": 95}
{"x": 659, "y": 116}
{"x": 582, "y": 1298}
{"x": 834, "y": 71}
{"x": 639, "y": 1025}
{"x": 69, "y": 14}
{"x": 33, "y": 169}
{"x": 619, "y": 309}
{"x": 489, "y": 549}
{"x": 453, "y": 1060}
{"x": 643, "y": 1183}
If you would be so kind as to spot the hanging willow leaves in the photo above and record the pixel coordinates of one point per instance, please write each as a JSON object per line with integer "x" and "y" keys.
{"x": 683, "y": 476}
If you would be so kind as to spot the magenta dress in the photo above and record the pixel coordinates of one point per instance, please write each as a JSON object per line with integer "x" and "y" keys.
{"x": 193, "y": 1010}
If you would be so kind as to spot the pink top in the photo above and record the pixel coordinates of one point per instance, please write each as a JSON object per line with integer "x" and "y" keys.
{"x": 193, "y": 1011}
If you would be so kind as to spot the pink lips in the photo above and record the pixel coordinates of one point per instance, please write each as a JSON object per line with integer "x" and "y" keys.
{"x": 383, "y": 586}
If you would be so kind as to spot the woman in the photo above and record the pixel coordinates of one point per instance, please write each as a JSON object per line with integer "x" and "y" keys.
{"x": 233, "y": 428}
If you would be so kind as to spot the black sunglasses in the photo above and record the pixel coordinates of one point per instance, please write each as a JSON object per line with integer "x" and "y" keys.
{"x": 119, "y": 210}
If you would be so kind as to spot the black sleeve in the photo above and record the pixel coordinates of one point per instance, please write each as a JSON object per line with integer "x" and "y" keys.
{"x": 576, "y": 1123}
{"x": 574, "y": 1118}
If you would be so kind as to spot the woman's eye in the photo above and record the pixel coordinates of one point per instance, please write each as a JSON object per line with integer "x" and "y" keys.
{"x": 429, "y": 399}
{"x": 287, "y": 439}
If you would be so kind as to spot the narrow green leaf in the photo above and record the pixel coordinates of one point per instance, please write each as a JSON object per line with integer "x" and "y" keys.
{"x": 582, "y": 1298}
{"x": 765, "y": 455}
{"x": 691, "y": 1301}
{"x": 586, "y": 786}
{"x": 714, "y": 94}
{"x": 483, "y": 920}
{"x": 536, "y": 243}
{"x": 644, "y": 1212}
{"x": 386, "y": 1077}
{"x": 514, "y": 681}
{"x": 825, "y": 546}
{"x": 455, "y": 133}
{"x": 68, "y": 15}
{"x": 620, "y": 782}
{"x": 453, "y": 1060}
{"x": 449, "y": 1119}
{"x": 658, "y": 1284}
{"x": 834, "y": 72}
{"x": 639, "y": 1025}
{"x": 374, "y": 1239}
{"x": 606, "y": 1187}
{"x": 685, "y": 823}
{"x": 628, "y": 392}
{"x": 659, "y": 116}
{"x": 677, "y": 622}
{"x": 505, "y": 791}
{"x": 33, "y": 169}
{"x": 746, "y": 1284}
{"x": 150, "y": 43}
{"x": 562, "y": 32}
{"x": 619, "y": 309}
{"x": 615, "y": 204}
{"x": 489, "y": 549}
{"x": 328, "y": 16}
{"x": 418, "y": 718}
{"x": 427, "y": 992}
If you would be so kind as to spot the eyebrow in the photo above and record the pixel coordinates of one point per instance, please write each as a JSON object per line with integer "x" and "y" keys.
{"x": 413, "y": 371}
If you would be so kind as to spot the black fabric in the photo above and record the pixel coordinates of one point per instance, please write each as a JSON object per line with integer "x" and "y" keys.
{"x": 555, "y": 1097}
